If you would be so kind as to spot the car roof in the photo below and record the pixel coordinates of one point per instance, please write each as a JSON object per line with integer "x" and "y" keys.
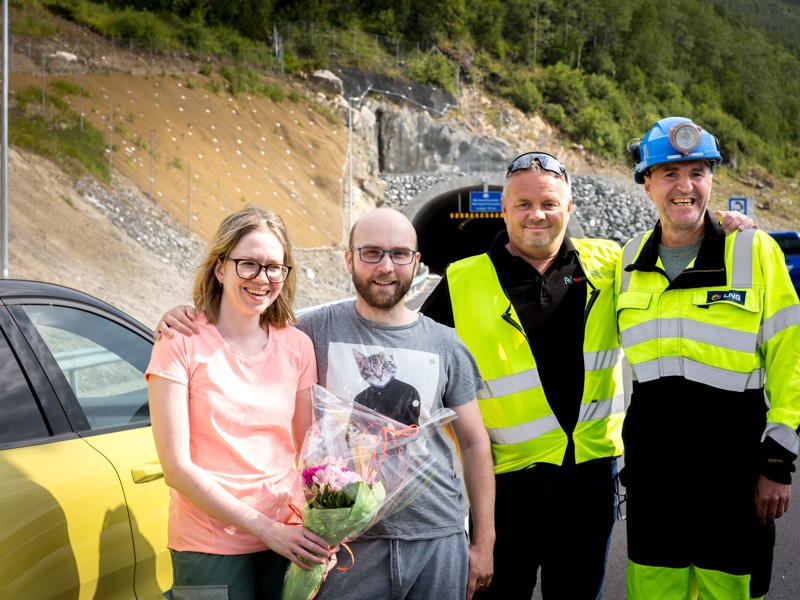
{"x": 22, "y": 289}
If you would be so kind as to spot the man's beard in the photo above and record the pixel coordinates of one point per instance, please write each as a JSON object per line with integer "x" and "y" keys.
{"x": 382, "y": 299}
{"x": 538, "y": 242}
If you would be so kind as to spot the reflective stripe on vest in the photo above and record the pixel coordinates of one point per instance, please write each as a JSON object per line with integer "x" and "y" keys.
{"x": 526, "y": 431}
{"x": 510, "y": 384}
{"x": 680, "y": 366}
{"x": 721, "y": 337}
{"x": 518, "y": 382}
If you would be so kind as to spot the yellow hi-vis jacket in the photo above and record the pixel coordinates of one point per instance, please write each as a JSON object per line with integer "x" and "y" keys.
{"x": 734, "y": 321}
{"x": 522, "y": 427}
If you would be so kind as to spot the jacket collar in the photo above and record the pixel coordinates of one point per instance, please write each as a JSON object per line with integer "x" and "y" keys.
{"x": 709, "y": 266}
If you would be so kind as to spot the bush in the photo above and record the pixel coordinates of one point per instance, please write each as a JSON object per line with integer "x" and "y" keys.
{"x": 30, "y": 25}
{"x": 136, "y": 25}
{"x": 598, "y": 132}
{"x": 77, "y": 151}
{"x": 564, "y": 86}
{"x": 555, "y": 114}
{"x": 434, "y": 69}
{"x": 525, "y": 95}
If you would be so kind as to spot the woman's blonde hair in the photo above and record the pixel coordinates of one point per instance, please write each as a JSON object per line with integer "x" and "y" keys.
{"x": 207, "y": 290}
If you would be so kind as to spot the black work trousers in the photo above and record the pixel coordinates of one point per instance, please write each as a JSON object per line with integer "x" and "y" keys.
{"x": 559, "y": 520}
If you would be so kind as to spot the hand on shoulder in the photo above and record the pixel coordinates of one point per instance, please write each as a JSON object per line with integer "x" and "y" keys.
{"x": 180, "y": 319}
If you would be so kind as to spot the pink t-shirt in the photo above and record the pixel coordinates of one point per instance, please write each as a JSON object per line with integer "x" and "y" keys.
{"x": 240, "y": 415}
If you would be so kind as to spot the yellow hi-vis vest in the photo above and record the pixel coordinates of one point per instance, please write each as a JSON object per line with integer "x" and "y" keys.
{"x": 522, "y": 427}
{"x": 726, "y": 336}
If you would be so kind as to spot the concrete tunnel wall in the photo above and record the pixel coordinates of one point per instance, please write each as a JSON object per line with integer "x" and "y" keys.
{"x": 446, "y": 230}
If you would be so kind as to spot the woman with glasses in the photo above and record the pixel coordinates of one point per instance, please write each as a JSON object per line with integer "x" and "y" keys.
{"x": 230, "y": 407}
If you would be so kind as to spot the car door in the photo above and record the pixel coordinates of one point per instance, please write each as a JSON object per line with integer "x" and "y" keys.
{"x": 83, "y": 467}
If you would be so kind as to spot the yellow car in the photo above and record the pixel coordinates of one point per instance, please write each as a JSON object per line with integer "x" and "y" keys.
{"x": 83, "y": 503}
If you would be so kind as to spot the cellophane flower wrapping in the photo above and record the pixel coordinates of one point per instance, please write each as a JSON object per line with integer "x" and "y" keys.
{"x": 358, "y": 467}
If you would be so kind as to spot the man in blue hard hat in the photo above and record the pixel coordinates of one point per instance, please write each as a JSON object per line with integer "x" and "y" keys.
{"x": 711, "y": 327}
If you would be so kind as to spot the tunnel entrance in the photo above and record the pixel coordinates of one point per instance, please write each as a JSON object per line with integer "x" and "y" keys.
{"x": 446, "y": 229}
{"x": 444, "y": 239}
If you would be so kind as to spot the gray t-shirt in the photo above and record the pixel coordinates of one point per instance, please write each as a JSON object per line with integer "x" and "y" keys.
{"x": 401, "y": 371}
{"x": 676, "y": 259}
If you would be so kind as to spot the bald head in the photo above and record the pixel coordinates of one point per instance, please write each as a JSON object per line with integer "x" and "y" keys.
{"x": 383, "y": 228}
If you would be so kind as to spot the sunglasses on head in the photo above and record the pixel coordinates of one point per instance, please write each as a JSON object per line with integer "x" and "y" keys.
{"x": 548, "y": 162}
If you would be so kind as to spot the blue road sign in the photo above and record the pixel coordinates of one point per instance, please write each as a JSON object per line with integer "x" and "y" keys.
{"x": 739, "y": 204}
{"x": 485, "y": 201}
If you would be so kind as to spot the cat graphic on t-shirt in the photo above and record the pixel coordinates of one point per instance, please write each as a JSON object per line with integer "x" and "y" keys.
{"x": 386, "y": 394}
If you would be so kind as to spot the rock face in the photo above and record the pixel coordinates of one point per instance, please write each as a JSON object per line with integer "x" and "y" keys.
{"x": 612, "y": 208}
{"x": 327, "y": 81}
{"x": 410, "y": 142}
{"x": 408, "y": 149}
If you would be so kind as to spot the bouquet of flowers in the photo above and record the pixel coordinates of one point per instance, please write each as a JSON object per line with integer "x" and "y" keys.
{"x": 358, "y": 467}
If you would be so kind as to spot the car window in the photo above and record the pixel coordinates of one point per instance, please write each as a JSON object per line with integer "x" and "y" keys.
{"x": 103, "y": 362}
{"x": 789, "y": 245}
{"x": 21, "y": 417}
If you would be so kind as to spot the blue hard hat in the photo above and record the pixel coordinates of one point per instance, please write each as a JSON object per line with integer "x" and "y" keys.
{"x": 669, "y": 140}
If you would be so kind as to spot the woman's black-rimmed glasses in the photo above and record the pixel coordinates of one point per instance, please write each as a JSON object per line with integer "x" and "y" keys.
{"x": 249, "y": 269}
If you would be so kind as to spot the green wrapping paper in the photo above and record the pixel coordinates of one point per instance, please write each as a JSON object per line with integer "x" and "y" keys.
{"x": 334, "y": 525}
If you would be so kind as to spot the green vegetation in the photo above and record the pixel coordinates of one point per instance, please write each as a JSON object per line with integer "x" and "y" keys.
{"x": 76, "y": 152}
{"x": 57, "y": 133}
{"x": 602, "y": 71}
{"x": 326, "y": 113}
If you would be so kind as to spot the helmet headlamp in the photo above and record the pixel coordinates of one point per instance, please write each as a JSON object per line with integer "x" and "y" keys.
{"x": 685, "y": 137}
{"x": 672, "y": 139}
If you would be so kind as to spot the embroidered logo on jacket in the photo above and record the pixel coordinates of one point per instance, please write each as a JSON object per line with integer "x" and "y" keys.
{"x": 571, "y": 280}
{"x": 735, "y": 296}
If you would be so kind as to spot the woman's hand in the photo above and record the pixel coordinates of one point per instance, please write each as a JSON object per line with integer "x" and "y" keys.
{"x": 298, "y": 544}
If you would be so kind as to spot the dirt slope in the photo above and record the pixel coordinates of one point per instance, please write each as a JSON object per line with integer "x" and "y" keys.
{"x": 206, "y": 154}
{"x": 56, "y": 235}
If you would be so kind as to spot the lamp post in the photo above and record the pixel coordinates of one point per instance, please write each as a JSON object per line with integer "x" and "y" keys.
{"x": 349, "y": 166}
{"x": 350, "y": 100}
{"x": 4, "y": 158}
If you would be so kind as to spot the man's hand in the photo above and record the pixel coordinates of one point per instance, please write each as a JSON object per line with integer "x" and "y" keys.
{"x": 180, "y": 319}
{"x": 733, "y": 219}
{"x": 772, "y": 499}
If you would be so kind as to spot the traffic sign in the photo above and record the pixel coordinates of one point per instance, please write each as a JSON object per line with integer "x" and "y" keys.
{"x": 485, "y": 201}
{"x": 738, "y": 203}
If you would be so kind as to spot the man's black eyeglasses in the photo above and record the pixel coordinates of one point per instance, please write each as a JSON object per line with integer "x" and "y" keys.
{"x": 546, "y": 161}
{"x": 375, "y": 255}
{"x": 249, "y": 269}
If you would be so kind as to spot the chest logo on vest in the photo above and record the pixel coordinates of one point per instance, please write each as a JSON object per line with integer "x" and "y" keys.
{"x": 735, "y": 296}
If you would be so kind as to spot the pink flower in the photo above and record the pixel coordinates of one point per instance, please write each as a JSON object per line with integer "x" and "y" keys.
{"x": 326, "y": 485}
